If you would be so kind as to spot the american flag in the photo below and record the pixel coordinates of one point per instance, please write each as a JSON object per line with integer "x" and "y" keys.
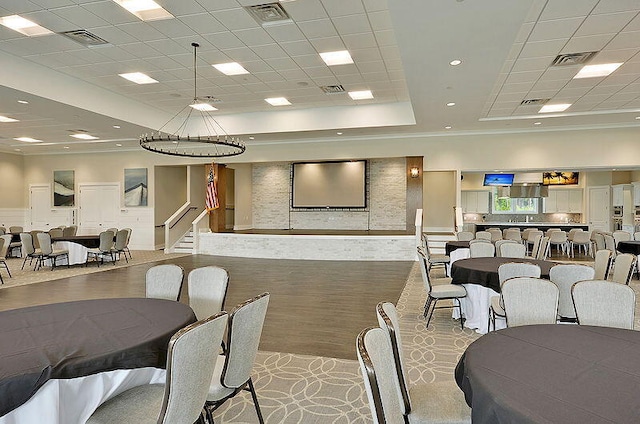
{"x": 211, "y": 201}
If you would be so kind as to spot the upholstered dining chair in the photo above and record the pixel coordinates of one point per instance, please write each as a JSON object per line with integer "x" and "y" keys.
{"x": 464, "y": 236}
{"x": 581, "y": 239}
{"x": 560, "y": 241}
{"x": 164, "y": 282}
{"x": 501, "y": 242}
{"x": 434, "y": 260}
{"x": 233, "y": 369}
{"x": 70, "y": 231}
{"x": 56, "y": 232}
{"x": 5, "y": 240}
{"x": 619, "y": 236}
{"x": 119, "y": 245}
{"x": 180, "y": 400}
{"x": 530, "y": 239}
{"x": 602, "y": 264}
{"x": 597, "y": 239}
{"x": 28, "y": 250}
{"x": 49, "y": 253}
{"x": 496, "y": 234}
{"x": 16, "y": 229}
{"x": 207, "y": 287}
{"x": 636, "y": 236}
{"x": 3, "y": 231}
{"x": 513, "y": 250}
{"x": 535, "y": 247}
{"x": 529, "y": 301}
{"x": 441, "y": 290}
{"x": 429, "y": 403}
{"x": 623, "y": 268}
{"x": 104, "y": 249}
{"x": 564, "y": 276}
{"x": 603, "y": 303}
{"x": 483, "y": 235}
{"x": 505, "y": 272}
{"x": 542, "y": 250}
{"x": 126, "y": 246}
{"x": 610, "y": 244}
{"x": 482, "y": 250}
{"x": 512, "y": 234}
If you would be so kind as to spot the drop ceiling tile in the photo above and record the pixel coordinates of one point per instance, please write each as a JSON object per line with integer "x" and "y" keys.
{"x": 268, "y": 77}
{"x": 282, "y": 63}
{"x": 163, "y": 62}
{"x": 142, "y": 32}
{"x": 172, "y": 28}
{"x": 270, "y": 51}
{"x": 352, "y": 24}
{"x": 53, "y": 60}
{"x": 510, "y": 97}
{"x": 341, "y": 7}
{"x": 375, "y": 5}
{"x": 305, "y": 11}
{"x": 114, "y": 35}
{"x": 614, "y": 56}
{"x": 298, "y": 48}
{"x": 212, "y": 5}
{"x": 394, "y": 65}
{"x": 253, "y": 36}
{"x": 288, "y": 32}
{"x": 590, "y": 43}
{"x": 561, "y": 72}
{"x": 532, "y": 64}
{"x": 542, "y": 48}
{"x": 294, "y": 74}
{"x": 19, "y": 7}
{"x": 550, "y": 85}
{"x": 360, "y": 41}
{"x": 202, "y": 23}
{"x": 373, "y": 66}
{"x": 616, "y": 79}
{"x": 610, "y": 105}
{"x": 559, "y": 9}
{"x": 224, "y": 40}
{"x": 25, "y": 46}
{"x": 517, "y": 88}
{"x": 609, "y": 6}
{"x": 80, "y": 17}
{"x": 366, "y": 55}
{"x": 321, "y": 71}
{"x": 390, "y": 53}
{"x": 111, "y": 12}
{"x": 633, "y": 88}
{"x": 50, "y": 4}
{"x": 349, "y": 69}
{"x": 625, "y": 40}
{"x": 524, "y": 32}
{"x": 574, "y": 92}
{"x": 319, "y": 28}
{"x": 634, "y": 25}
{"x": 116, "y": 53}
{"x": 381, "y": 20}
{"x": 606, "y": 23}
{"x": 140, "y": 50}
{"x": 385, "y": 38}
{"x": 528, "y": 76}
{"x": 328, "y": 44}
{"x": 235, "y": 19}
{"x": 556, "y": 29}
{"x": 50, "y": 21}
{"x": 241, "y": 54}
{"x": 183, "y": 7}
{"x": 624, "y": 97}
{"x": 309, "y": 61}
{"x": 628, "y": 68}
{"x": 256, "y": 66}
{"x": 169, "y": 47}
{"x": 375, "y": 76}
{"x": 542, "y": 94}
{"x": 353, "y": 81}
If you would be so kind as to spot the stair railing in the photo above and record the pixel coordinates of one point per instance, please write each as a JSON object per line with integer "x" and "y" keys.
{"x": 199, "y": 225}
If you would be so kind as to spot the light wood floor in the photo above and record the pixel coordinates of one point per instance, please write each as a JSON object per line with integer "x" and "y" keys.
{"x": 316, "y": 307}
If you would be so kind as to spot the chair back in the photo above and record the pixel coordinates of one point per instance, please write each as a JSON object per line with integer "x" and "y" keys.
{"x": 56, "y": 232}
{"x": 581, "y": 236}
{"x": 44, "y": 240}
{"x": 27, "y": 244}
{"x": 623, "y": 268}
{"x": 513, "y": 250}
{"x": 557, "y": 237}
{"x": 207, "y": 288}
{"x": 388, "y": 320}
{"x": 424, "y": 269}
{"x": 636, "y": 236}
{"x": 531, "y": 234}
{"x": 496, "y": 234}
{"x": 16, "y": 229}
{"x": 243, "y": 337}
{"x": 610, "y": 244}
{"x": 128, "y": 236}
{"x": 164, "y": 282}
{"x": 619, "y": 236}
{"x": 70, "y": 231}
{"x": 598, "y": 240}
{"x": 483, "y": 235}
{"x": 500, "y": 243}
{"x": 565, "y": 276}
{"x": 106, "y": 241}
{"x": 113, "y": 230}
{"x": 551, "y": 230}
{"x": 5, "y": 241}
{"x": 542, "y": 250}
{"x": 512, "y": 234}
{"x": 482, "y": 250}
{"x": 537, "y": 239}
{"x": 375, "y": 356}
{"x": 602, "y": 264}
{"x": 604, "y": 304}
{"x": 3, "y": 231}
{"x": 190, "y": 366}
{"x": 517, "y": 269}
{"x": 529, "y": 301}
{"x": 121, "y": 242}
{"x": 34, "y": 237}
{"x": 464, "y": 236}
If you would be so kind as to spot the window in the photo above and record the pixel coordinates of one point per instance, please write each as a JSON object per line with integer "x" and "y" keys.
{"x": 508, "y": 205}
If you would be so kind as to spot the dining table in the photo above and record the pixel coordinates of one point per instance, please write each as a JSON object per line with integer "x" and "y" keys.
{"x": 78, "y": 246}
{"x": 61, "y": 361}
{"x": 450, "y": 246}
{"x": 479, "y": 276}
{"x": 570, "y": 374}
{"x": 631, "y": 246}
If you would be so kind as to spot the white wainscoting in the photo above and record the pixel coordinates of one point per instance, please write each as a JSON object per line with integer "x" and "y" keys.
{"x": 140, "y": 220}
{"x": 310, "y": 247}
{"x": 13, "y": 216}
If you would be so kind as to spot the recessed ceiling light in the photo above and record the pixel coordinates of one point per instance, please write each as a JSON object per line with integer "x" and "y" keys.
{"x": 116, "y": 126}
{"x": 451, "y": 104}
{"x": 231, "y": 68}
{"x": 339, "y": 133}
{"x": 602, "y": 70}
{"x": 118, "y": 145}
{"x": 65, "y": 147}
{"x": 23, "y": 26}
{"x": 537, "y": 123}
{"x": 448, "y": 127}
{"x": 147, "y": 10}
{"x": 637, "y": 117}
{"x": 251, "y": 137}
{"x": 277, "y": 101}
{"x": 138, "y": 78}
{"x": 203, "y": 107}
{"x": 83, "y": 136}
{"x": 341, "y": 57}
{"x": 560, "y": 107}
{"x": 7, "y": 119}
{"x": 24, "y": 102}
{"x": 455, "y": 62}
{"x": 17, "y": 150}
{"x": 28, "y": 140}
{"x": 361, "y": 95}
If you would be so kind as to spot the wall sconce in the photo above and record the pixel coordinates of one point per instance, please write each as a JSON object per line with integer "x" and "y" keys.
{"x": 414, "y": 172}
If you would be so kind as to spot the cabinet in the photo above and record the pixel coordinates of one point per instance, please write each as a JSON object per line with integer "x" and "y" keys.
{"x": 563, "y": 201}
{"x": 617, "y": 195}
{"x": 475, "y": 201}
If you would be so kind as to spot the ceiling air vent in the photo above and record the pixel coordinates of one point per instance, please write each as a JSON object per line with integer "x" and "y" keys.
{"x": 268, "y": 13}
{"x": 567, "y": 59}
{"x": 332, "y": 89}
{"x": 533, "y": 102}
{"x": 85, "y": 38}
{"x": 209, "y": 99}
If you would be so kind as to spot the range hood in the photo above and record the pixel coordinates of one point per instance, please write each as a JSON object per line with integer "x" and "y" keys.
{"x": 524, "y": 190}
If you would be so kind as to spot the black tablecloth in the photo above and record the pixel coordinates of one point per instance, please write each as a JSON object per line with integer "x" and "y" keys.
{"x": 450, "y": 246}
{"x": 632, "y": 247}
{"x": 552, "y": 374}
{"x": 90, "y": 242}
{"x": 74, "y": 339}
{"x": 484, "y": 271}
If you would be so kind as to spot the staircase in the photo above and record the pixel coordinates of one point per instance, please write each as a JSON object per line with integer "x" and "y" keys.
{"x": 186, "y": 244}
{"x": 438, "y": 240}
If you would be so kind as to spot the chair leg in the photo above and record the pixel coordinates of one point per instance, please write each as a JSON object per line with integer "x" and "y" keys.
{"x": 208, "y": 413}
{"x": 433, "y": 308}
{"x": 427, "y": 305}
{"x": 460, "y": 312}
{"x": 255, "y": 401}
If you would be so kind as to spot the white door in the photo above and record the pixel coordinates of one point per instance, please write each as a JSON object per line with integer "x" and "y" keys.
{"x": 599, "y": 215}
{"x": 99, "y": 207}
{"x": 40, "y": 206}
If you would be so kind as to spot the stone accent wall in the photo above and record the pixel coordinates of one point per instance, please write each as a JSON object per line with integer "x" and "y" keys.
{"x": 386, "y": 201}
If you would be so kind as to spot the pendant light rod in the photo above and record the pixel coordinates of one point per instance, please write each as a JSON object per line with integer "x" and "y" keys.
{"x": 195, "y": 74}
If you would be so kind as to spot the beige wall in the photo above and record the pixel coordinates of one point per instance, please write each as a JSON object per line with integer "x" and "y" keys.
{"x": 12, "y": 185}
{"x": 170, "y": 193}
{"x": 439, "y": 198}
{"x": 242, "y": 195}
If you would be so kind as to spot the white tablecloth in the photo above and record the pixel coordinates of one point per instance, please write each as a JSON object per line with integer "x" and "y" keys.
{"x": 77, "y": 252}
{"x": 72, "y": 401}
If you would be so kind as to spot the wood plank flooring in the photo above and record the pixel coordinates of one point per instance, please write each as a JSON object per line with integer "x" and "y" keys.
{"x": 316, "y": 307}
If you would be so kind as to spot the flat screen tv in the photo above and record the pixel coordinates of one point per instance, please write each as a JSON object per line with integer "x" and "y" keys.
{"x": 498, "y": 179}
{"x": 560, "y": 178}
{"x": 329, "y": 184}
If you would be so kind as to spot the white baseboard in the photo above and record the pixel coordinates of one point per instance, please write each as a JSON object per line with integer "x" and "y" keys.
{"x": 242, "y": 227}
{"x": 438, "y": 230}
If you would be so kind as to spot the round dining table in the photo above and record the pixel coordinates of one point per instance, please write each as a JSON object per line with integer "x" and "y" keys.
{"x": 450, "y": 246}
{"x": 632, "y": 246}
{"x": 58, "y": 344}
{"x": 569, "y": 374}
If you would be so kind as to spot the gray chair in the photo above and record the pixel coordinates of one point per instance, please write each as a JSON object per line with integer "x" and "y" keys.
{"x": 505, "y": 272}
{"x": 120, "y": 244}
{"x": 619, "y": 236}
{"x": 28, "y": 250}
{"x": 529, "y": 301}
{"x": 512, "y": 234}
{"x": 5, "y": 240}
{"x": 430, "y": 403}
{"x": 564, "y": 276}
{"x": 542, "y": 250}
{"x": 636, "y": 236}
{"x": 434, "y": 260}
{"x": 180, "y": 400}
{"x": 560, "y": 241}
{"x": 48, "y": 252}
{"x": 496, "y": 234}
{"x": 623, "y": 268}
{"x": 482, "y": 250}
{"x": 232, "y": 373}
{"x": 501, "y": 242}
{"x": 113, "y": 230}
{"x": 207, "y": 288}
{"x": 598, "y": 240}
{"x": 56, "y": 232}
{"x": 34, "y": 237}
{"x": 464, "y": 236}
{"x": 442, "y": 291}
{"x": 103, "y": 250}
{"x": 15, "y": 229}
{"x": 164, "y": 282}
{"x": 602, "y": 264}
{"x": 70, "y": 231}
{"x": 513, "y": 250}
{"x": 536, "y": 239}
{"x": 604, "y": 304}
{"x": 126, "y": 246}
{"x": 3, "y": 231}
{"x": 610, "y": 244}
{"x": 581, "y": 239}
{"x": 483, "y": 235}
{"x": 530, "y": 239}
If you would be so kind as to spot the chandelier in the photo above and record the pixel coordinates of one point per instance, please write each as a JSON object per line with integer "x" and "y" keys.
{"x": 193, "y": 132}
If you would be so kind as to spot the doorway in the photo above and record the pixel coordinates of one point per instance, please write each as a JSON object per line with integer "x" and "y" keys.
{"x": 99, "y": 207}
{"x": 599, "y": 215}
